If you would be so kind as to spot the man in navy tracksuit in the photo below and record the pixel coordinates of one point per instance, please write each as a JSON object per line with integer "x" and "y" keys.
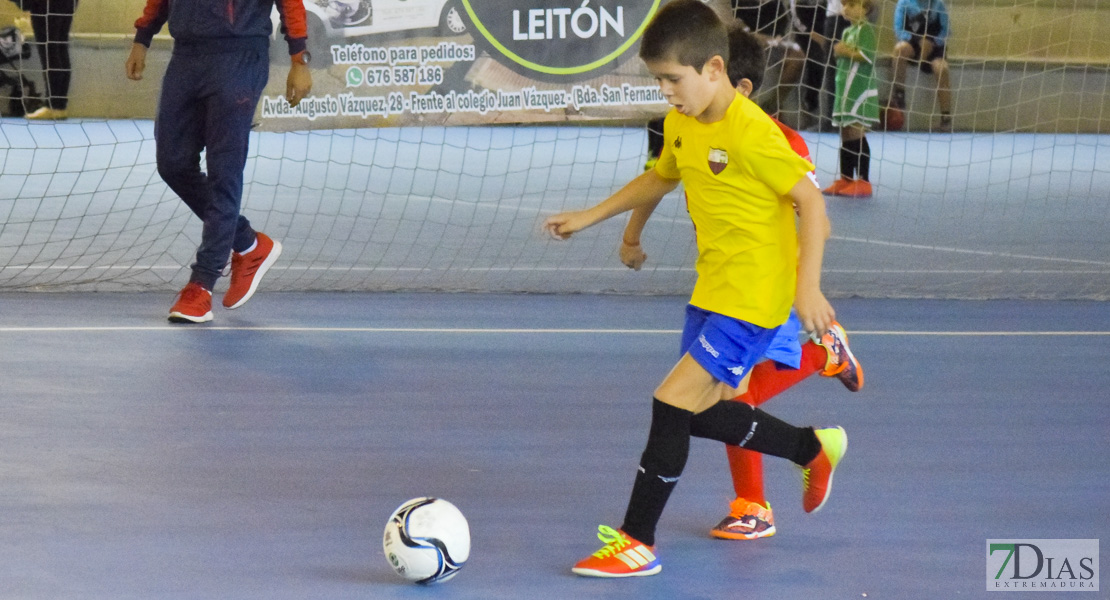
{"x": 216, "y": 74}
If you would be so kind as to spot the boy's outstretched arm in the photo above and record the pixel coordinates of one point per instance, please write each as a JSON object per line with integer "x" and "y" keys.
{"x": 648, "y": 188}
{"x": 631, "y": 253}
{"x": 814, "y": 311}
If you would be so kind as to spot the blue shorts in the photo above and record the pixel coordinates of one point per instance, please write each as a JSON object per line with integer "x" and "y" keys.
{"x": 786, "y": 348}
{"x": 728, "y": 348}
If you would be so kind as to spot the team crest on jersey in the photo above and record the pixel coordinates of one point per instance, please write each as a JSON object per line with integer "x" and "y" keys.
{"x": 678, "y": 142}
{"x": 718, "y": 160}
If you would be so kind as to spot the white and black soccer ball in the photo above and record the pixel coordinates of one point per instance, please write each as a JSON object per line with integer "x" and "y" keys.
{"x": 427, "y": 540}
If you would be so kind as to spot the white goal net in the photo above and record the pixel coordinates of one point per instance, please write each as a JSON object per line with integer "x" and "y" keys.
{"x": 1014, "y": 203}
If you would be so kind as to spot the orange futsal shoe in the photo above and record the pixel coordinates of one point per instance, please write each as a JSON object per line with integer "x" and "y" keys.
{"x": 247, "y": 270}
{"x": 621, "y": 556}
{"x": 194, "y": 305}
{"x": 837, "y": 187}
{"x": 857, "y": 189}
{"x": 817, "y": 476}
{"x": 841, "y": 363}
{"x": 745, "y": 521}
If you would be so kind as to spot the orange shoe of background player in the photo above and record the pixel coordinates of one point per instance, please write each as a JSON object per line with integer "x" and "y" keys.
{"x": 857, "y": 189}
{"x": 837, "y": 187}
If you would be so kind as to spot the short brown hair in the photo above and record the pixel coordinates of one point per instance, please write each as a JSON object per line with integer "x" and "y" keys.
{"x": 747, "y": 58}
{"x": 686, "y": 31}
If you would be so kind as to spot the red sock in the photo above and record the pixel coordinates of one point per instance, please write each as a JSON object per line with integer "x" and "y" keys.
{"x": 767, "y": 381}
{"x": 747, "y": 474}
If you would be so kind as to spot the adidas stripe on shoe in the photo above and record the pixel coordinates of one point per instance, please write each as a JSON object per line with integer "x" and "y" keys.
{"x": 621, "y": 556}
{"x": 193, "y": 305}
{"x": 248, "y": 269}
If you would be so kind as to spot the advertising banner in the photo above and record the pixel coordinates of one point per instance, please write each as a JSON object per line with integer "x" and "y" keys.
{"x": 461, "y": 62}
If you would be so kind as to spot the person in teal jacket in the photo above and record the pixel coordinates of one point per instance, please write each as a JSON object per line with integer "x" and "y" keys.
{"x": 921, "y": 28}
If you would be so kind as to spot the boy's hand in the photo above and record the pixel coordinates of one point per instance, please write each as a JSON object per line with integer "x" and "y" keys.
{"x": 136, "y": 62}
{"x": 298, "y": 84}
{"x": 562, "y": 225}
{"x": 633, "y": 257}
{"x": 814, "y": 310}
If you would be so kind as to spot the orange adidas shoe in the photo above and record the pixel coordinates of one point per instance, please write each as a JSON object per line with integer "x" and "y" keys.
{"x": 247, "y": 270}
{"x": 194, "y": 305}
{"x": 817, "y": 476}
{"x": 621, "y": 556}
{"x": 837, "y": 187}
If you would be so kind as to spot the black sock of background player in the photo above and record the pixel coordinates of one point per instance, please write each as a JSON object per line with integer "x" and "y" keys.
{"x": 864, "y": 159}
{"x": 849, "y": 159}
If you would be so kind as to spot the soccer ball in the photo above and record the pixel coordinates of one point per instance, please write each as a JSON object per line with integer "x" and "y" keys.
{"x": 892, "y": 119}
{"x": 427, "y": 540}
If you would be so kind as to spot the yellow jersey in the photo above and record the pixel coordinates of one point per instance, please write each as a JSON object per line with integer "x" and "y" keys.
{"x": 737, "y": 172}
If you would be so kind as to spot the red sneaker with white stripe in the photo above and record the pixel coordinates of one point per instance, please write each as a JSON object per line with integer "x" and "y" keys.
{"x": 621, "y": 556}
{"x": 193, "y": 305}
{"x": 247, "y": 270}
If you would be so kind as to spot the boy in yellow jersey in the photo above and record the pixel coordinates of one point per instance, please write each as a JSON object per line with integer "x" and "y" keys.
{"x": 741, "y": 179}
{"x": 789, "y": 361}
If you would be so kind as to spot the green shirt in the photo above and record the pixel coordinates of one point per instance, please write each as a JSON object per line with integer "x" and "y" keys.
{"x": 857, "y": 97}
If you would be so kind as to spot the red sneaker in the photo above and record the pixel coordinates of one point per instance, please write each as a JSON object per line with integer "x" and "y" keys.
{"x": 817, "y": 476}
{"x": 621, "y": 556}
{"x": 837, "y": 187}
{"x": 194, "y": 305}
{"x": 247, "y": 270}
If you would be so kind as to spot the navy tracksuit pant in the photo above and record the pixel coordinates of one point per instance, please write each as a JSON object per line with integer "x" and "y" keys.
{"x": 208, "y": 99}
{"x": 51, "y": 21}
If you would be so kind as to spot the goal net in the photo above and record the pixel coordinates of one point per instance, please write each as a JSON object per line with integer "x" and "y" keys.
{"x": 447, "y": 191}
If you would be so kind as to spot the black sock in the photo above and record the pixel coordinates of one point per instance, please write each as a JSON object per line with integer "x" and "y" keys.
{"x": 739, "y": 424}
{"x": 865, "y": 159}
{"x": 898, "y": 97}
{"x": 847, "y": 162}
{"x": 851, "y": 149}
{"x": 661, "y": 465}
{"x": 655, "y": 138}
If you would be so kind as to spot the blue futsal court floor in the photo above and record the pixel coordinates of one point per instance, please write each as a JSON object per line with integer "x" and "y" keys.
{"x": 259, "y": 456}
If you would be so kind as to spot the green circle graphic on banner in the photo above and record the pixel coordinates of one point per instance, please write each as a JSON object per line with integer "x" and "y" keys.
{"x": 354, "y": 76}
{"x": 560, "y": 41}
